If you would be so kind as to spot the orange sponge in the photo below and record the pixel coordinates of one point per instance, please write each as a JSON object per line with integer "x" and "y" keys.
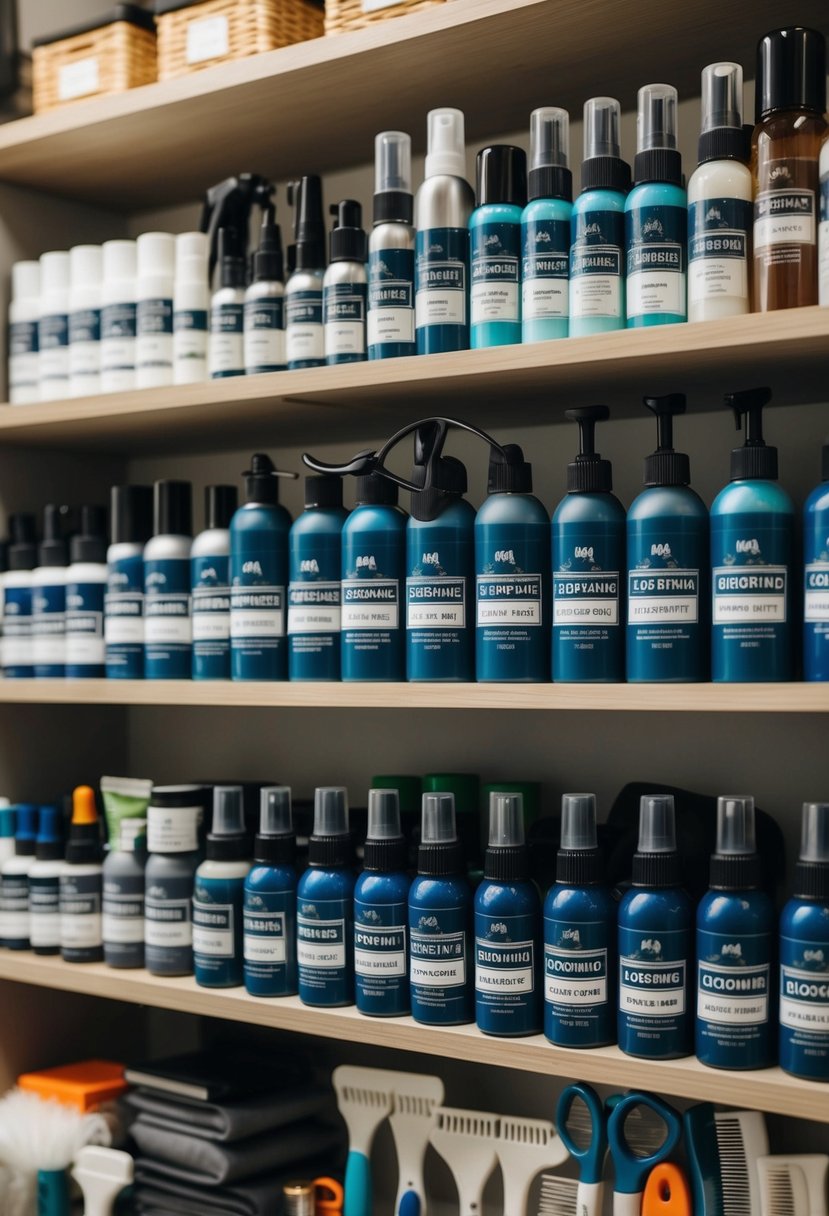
{"x": 84, "y": 1085}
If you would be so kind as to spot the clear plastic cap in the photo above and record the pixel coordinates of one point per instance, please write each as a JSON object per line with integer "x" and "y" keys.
{"x": 735, "y": 825}
{"x": 814, "y": 841}
{"x": 602, "y": 116}
{"x": 119, "y": 260}
{"x": 228, "y": 811}
{"x": 54, "y": 271}
{"x": 446, "y": 143}
{"x": 331, "y": 810}
{"x": 191, "y": 245}
{"x": 156, "y": 254}
{"x": 578, "y": 822}
{"x": 657, "y": 824}
{"x": 25, "y": 280}
{"x": 383, "y": 815}
{"x": 275, "y": 817}
{"x": 192, "y": 270}
{"x": 722, "y": 96}
{"x": 438, "y": 819}
{"x": 656, "y": 122}
{"x": 506, "y": 820}
{"x": 549, "y": 137}
{"x": 393, "y": 162}
{"x": 86, "y": 265}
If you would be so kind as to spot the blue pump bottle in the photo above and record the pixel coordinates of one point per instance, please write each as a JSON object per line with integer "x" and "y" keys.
{"x": 218, "y": 894}
{"x": 588, "y": 561}
{"x": 495, "y": 247}
{"x": 86, "y": 581}
{"x": 545, "y": 229}
{"x": 440, "y": 916}
{"x": 168, "y": 626}
{"x": 804, "y": 955}
{"x": 269, "y": 919}
{"x": 259, "y": 577}
{"x": 667, "y": 564}
{"x": 752, "y": 537}
{"x": 314, "y": 588}
{"x": 131, "y": 526}
{"x": 507, "y": 928}
{"x": 579, "y": 932}
{"x": 325, "y": 906}
{"x": 210, "y": 584}
{"x": 381, "y": 896}
{"x": 656, "y": 949}
{"x": 49, "y": 597}
{"x": 816, "y": 578}
{"x": 512, "y": 563}
{"x": 735, "y": 926}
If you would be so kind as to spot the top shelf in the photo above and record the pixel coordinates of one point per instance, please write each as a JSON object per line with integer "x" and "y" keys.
{"x": 313, "y": 107}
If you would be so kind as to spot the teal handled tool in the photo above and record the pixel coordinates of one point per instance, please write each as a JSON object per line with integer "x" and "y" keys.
{"x": 590, "y": 1155}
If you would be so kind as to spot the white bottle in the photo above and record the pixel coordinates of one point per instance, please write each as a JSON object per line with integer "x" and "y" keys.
{"x": 53, "y": 326}
{"x": 24, "y": 312}
{"x": 14, "y": 879}
{"x": 191, "y": 304}
{"x": 154, "y": 314}
{"x": 823, "y": 228}
{"x": 44, "y": 882}
{"x": 86, "y": 581}
{"x": 85, "y": 276}
{"x": 118, "y": 317}
{"x": 265, "y": 302}
{"x": 227, "y": 310}
{"x": 7, "y": 849}
{"x": 719, "y": 202}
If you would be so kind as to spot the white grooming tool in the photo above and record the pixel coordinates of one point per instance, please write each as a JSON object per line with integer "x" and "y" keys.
{"x": 793, "y": 1185}
{"x": 524, "y": 1148}
{"x": 465, "y": 1139}
{"x": 741, "y": 1139}
{"x": 414, "y": 1114}
{"x": 101, "y": 1173}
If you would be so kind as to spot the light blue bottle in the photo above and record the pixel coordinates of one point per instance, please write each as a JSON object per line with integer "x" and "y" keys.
{"x": 804, "y": 954}
{"x": 588, "y": 561}
{"x": 656, "y": 217}
{"x": 656, "y": 947}
{"x": 325, "y": 906}
{"x": 440, "y": 922}
{"x": 168, "y": 627}
{"x": 391, "y": 250}
{"x": 597, "y": 229}
{"x": 270, "y": 900}
{"x": 512, "y": 563}
{"x": 210, "y": 585}
{"x": 219, "y": 892}
{"x": 816, "y": 578}
{"x": 49, "y": 597}
{"x": 131, "y": 526}
{"x": 667, "y": 564}
{"x": 381, "y": 900}
{"x": 735, "y": 927}
{"x": 752, "y": 544}
{"x": 507, "y": 928}
{"x": 373, "y": 579}
{"x": 18, "y": 654}
{"x": 86, "y": 582}
{"x": 314, "y": 587}
{"x": 545, "y": 229}
{"x": 259, "y": 577}
{"x": 579, "y": 936}
{"x": 495, "y": 247}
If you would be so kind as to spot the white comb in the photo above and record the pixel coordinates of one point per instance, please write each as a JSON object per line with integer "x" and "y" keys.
{"x": 793, "y": 1185}
{"x": 741, "y": 1139}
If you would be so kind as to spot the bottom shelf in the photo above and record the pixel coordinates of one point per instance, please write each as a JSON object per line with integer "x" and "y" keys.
{"x": 769, "y": 1090}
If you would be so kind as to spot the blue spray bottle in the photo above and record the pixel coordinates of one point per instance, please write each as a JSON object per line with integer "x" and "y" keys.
{"x": 752, "y": 540}
{"x": 168, "y": 628}
{"x": 735, "y": 924}
{"x": 545, "y": 229}
{"x": 656, "y": 948}
{"x": 804, "y": 954}
{"x": 131, "y": 526}
{"x": 314, "y": 588}
{"x": 579, "y": 931}
{"x": 507, "y": 924}
{"x": 270, "y": 900}
{"x": 325, "y": 906}
{"x": 667, "y": 564}
{"x": 218, "y": 894}
{"x": 588, "y": 560}
{"x": 86, "y": 581}
{"x": 495, "y": 246}
{"x": 816, "y": 576}
{"x": 210, "y": 584}
{"x": 49, "y": 597}
{"x": 381, "y": 956}
{"x": 440, "y": 916}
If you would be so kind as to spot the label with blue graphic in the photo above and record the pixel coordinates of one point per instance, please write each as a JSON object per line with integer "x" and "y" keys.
{"x": 597, "y": 264}
{"x": 344, "y": 313}
{"x": 507, "y": 600}
{"x": 546, "y": 269}
{"x": 190, "y": 327}
{"x": 661, "y": 593}
{"x": 123, "y": 923}
{"x": 154, "y": 334}
{"x": 227, "y": 345}
{"x": 217, "y": 929}
{"x": 304, "y": 330}
{"x": 585, "y": 597}
{"x": 85, "y": 348}
{"x": 439, "y": 963}
{"x": 168, "y": 627}
{"x": 745, "y": 595}
{"x": 577, "y": 986}
{"x": 49, "y": 628}
{"x": 17, "y": 631}
{"x": 381, "y": 956}
{"x": 804, "y": 1005}
{"x": 656, "y": 239}
{"x": 370, "y": 601}
{"x": 196, "y": 319}
{"x": 269, "y": 924}
{"x": 22, "y": 338}
{"x": 264, "y": 334}
{"x": 441, "y": 277}
{"x": 719, "y": 231}
{"x": 257, "y": 611}
{"x": 653, "y": 990}
{"x": 211, "y": 615}
{"x": 816, "y": 593}
{"x": 391, "y": 316}
{"x": 496, "y": 272}
{"x": 168, "y": 927}
{"x": 313, "y": 609}
{"x": 124, "y": 617}
{"x": 787, "y": 214}
{"x": 118, "y": 329}
{"x": 506, "y": 992}
{"x": 435, "y": 601}
{"x": 323, "y": 929}
{"x": 85, "y": 325}
{"x": 733, "y": 989}
{"x": 85, "y": 645}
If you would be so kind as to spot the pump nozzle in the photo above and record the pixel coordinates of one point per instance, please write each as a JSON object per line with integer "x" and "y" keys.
{"x": 446, "y": 154}
{"x": 656, "y": 861}
{"x": 267, "y": 261}
{"x": 755, "y": 460}
{"x": 588, "y": 472}
{"x": 348, "y": 241}
{"x": 509, "y": 472}
{"x": 736, "y": 865}
{"x": 261, "y": 483}
{"x": 579, "y": 862}
{"x": 309, "y": 228}
{"x": 665, "y": 467}
{"x": 393, "y": 178}
{"x": 506, "y": 820}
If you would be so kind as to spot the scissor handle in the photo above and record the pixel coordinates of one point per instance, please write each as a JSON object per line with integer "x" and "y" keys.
{"x": 591, "y": 1156}
{"x": 630, "y": 1169}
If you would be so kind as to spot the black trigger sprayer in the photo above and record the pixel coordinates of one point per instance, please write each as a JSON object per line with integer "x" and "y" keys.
{"x": 228, "y": 205}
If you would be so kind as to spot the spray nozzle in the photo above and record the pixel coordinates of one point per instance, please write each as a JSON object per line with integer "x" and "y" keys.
{"x": 443, "y": 478}
{"x": 305, "y": 196}
{"x": 348, "y": 240}
{"x": 228, "y": 811}
{"x": 267, "y": 261}
{"x": 657, "y": 824}
{"x": 755, "y": 460}
{"x": 228, "y": 204}
{"x": 53, "y": 550}
{"x": 664, "y": 466}
{"x": 331, "y": 810}
{"x": 261, "y": 484}
{"x": 438, "y": 819}
{"x": 393, "y": 178}
{"x": 657, "y": 155}
{"x": 578, "y": 822}
{"x": 383, "y": 815}
{"x": 603, "y": 167}
{"x": 588, "y": 472}
{"x": 735, "y": 825}
{"x": 446, "y": 144}
{"x": 549, "y": 175}
{"x": 814, "y": 840}
{"x": 722, "y": 96}
{"x": 275, "y": 817}
{"x": 506, "y": 820}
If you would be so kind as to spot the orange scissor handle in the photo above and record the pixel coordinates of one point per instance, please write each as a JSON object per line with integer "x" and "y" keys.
{"x": 666, "y": 1192}
{"x": 328, "y": 1197}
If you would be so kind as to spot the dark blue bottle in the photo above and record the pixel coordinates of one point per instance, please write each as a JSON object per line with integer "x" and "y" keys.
{"x": 507, "y": 928}
{"x": 314, "y": 588}
{"x": 168, "y": 628}
{"x": 512, "y": 563}
{"x": 588, "y": 561}
{"x": 49, "y": 598}
{"x": 667, "y": 564}
{"x": 579, "y": 936}
{"x": 86, "y": 581}
{"x": 14, "y": 881}
{"x": 210, "y": 584}
{"x": 270, "y": 900}
{"x": 325, "y": 906}
{"x": 131, "y": 526}
{"x": 381, "y": 898}
{"x": 18, "y": 656}
{"x": 816, "y": 575}
{"x": 219, "y": 892}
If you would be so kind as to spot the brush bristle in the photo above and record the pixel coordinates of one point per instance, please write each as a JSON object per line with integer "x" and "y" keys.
{"x": 779, "y": 1198}
{"x": 410, "y": 1104}
{"x": 358, "y": 1096}
{"x": 533, "y": 1132}
{"x": 558, "y": 1196}
{"x": 733, "y": 1130}
{"x": 467, "y": 1122}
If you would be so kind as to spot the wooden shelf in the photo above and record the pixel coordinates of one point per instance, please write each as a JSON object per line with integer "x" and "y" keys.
{"x": 536, "y": 383}
{"x": 770, "y": 1089}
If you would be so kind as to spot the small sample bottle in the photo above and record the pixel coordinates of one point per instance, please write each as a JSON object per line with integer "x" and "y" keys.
{"x": 304, "y": 331}
{"x": 86, "y": 582}
{"x": 269, "y": 917}
{"x": 123, "y": 895}
{"x": 325, "y": 906}
{"x": 53, "y": 326}
{"x": 495, "y": 247}
{"x": 44, "y": 882}
{"x": 345, "y": 286}
{"x": 18, "y": 656}
{"x": 265, "y": 302}
{"x": 174, "y": 825}
{"x": 210, "y": 586}
{"x": 24, "y": 313}
{"x": 81, "y": 884}
{"x": 154, "y": 289}
{"x": 381, "y": 898}
{"x": 49, "y": 598}
{"x": 545, "y": 229}
{"x": 314, "y": 587}
{"x": 191, "y": 309}
{"x": 85, "y": 280}
{"x": 168, "y": 630}
{"x": 226, "y": 354}
{"x": 14, "y": 879}
{"x": 391, "y": 251}
{"x": 218, "y": 894}
{"x": 118, "y": 317}
{"x": 816, "y": 577}
{"x": 131, "y": 526}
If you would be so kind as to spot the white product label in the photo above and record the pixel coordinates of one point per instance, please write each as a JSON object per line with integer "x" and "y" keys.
{"x": 207, "y": 39}
{"x": 318, "y": 617}
{"x": 575, "y": 979}
{"x": 658, "y": 998}
{"x": 655, "y": 291}
{"x": 173, "y": 829}
{"x": 49, "y": 652}
{"x": 816, "y": 596}
{"x": 210, "y": 626}
{"x": 86, "y": 649}
{"x": 304, "y": 341}
{"x": 375, "y": 961}
{"x": 431, "y": 616}
{"x": 267, "y": 944}
{"x": 784, "y": 217}
{"x": 189, "y": 346}
{"x": 345, "y": 338}
{"x": 503, "y": 599}
{"x": 54, "y": 366}
{"x": 227, "y": 354}
{"x": 257, "y": 622}
{"x": 714, "y": 277}
{"x": 123, "y": 630}
{"x": 44, "y": 929}
{"x": 373, "y": 612}
{"x": 123, "y": 920}
{"x": 213, "y": 929}
{"x": 264, "y": 348}
{"x": 727, "y": 998}
{"x": 543, "y": 299}
{"x": 440, "y": 306}
{"x": 804, "y": 1000}
{"x": 78, "y": 79}
{"x": 81, "y": 931}
{"x": 504, "y": 979}
{"x": 596, "y": 295}
{"x": 652, "y": 597}
{"x": 174, "y": 630}
{"x": 321, "y": 943}
{"x": 579, "y": 599}
{"x": 392, "y": 325}
{"x": 168, "y": 923}
{"x": 17, "y": 652}
{"x": 433, "y": 972}
{"x": 494, "y": 302}
{"x": 749, "y": 597}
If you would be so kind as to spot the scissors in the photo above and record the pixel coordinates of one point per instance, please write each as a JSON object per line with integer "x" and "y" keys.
{"x": 607, "y": 1130}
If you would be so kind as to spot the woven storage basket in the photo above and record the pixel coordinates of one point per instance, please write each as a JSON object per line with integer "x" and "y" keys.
{"x": 93, "y": 63}
{"x": 195, "y": 36}
{"x": 343, "y": 15}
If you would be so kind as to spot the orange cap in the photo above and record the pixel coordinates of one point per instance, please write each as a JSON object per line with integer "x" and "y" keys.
{"x": 84, "y": 809}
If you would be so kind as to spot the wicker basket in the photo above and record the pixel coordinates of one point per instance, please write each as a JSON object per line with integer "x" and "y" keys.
{"x": 110, "y": 59}
{"x": 196, "y": 36}
{"x": 344, "y": 15}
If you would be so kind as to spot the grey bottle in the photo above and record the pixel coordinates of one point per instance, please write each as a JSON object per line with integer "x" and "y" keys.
{"x": 174, "y": 834}
{"x": 391, "y": 251}
{"x": 123, "y": 902}
{"x": 345, "y": 287}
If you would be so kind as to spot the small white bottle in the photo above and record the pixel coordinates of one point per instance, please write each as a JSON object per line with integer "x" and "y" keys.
{"x": 85, "y": 278}
{"x": 118, "y": 317}
{"x": 191, "y": 305}
{"x": 86, "y": 582}
{"x": 53, "y": 326}
{"x": 823, "y": 226}
{"x": 24, "y": 312}
{"x": 265, "y": 302}
{"x": 154, "y": 314}
{"x": 227, "y": 310}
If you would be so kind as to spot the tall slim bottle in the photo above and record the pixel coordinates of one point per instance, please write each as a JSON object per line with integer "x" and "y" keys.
{"x": 545, "y": 229}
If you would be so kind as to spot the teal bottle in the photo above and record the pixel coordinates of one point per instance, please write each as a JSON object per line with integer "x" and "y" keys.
{"x": 545, "y": 229}
{"x": 752, "y": 540}
{"x": 816, "y": 578}
{"x": 667, "y": 564}
{"x": 588, "y": 564}
{"x": 495, "y": 247}
{"x": 314, "y": 589}
{"x": 210, "y": 585}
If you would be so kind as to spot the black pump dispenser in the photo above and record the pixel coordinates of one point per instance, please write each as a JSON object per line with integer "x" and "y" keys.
{"x": 131, "y": 515}
{"x": 231, "y": 259}
{"x": 90, "y": 543}
{"x": 443, "y": 477}
{"x": 348, "y": 242}
{"x": 373, "y": 489}
{"x": 267, "y": 261}
{"x": 509, "y": 472}
{"x": 220, "y": 502}
{"x": 665, "y": 467}
{"x": 23, "y": 544}
{"x": 325, "y": 491}
{"x": 755, "y": 460}
{"x": 588, "y": 473}
{"x": 309, "y": 228}
{"x": 261, "y": 480}
{"x": 53, "y": 550}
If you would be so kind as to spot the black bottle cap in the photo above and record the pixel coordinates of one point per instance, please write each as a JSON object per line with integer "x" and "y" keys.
{"x": 267, "y": 265}
{"x": 605, "y": 173}
{"x": 23, "y": 544}
{"x": 4, "y": 556}
{"x": 393, "y": 207}
{"x": 172, "y": 508}
{"x": 323, "y": 492}
{"x": 220, "y": 502}
{"x": 824, "y": 462}
{"x": 579, "y": 867}
{"x": 665, "y": 467}
{"x": 89, "y": 544}
{"x": 52, "y": 550}
{"x": 348, "y": 242}
{"x": 658, "y": 165}
{"x": 755, "y": 460}
{"x": 507, "y": 864}
{"x": 262, "y": 480}
{"x": 309, "y": 227}
{"x": 791, "y": 72}
{"x": 509, "y": 472}
{"x": 588, "y": 472}
{"x": 231, "y": 259}
{"x": 449, "y": 483}
{"x": 501, "y": 176}
{"x": 373, "y": 489}
{"x": 656, "y": 870}
{"x": 331, "y": 852}
{"x": 290, "y": 259}
{"x": 274, "y": 850}
{"x": 441, "y": 860}
{"x": 550, "y": 181}
{"x": 131, "y": 514}
{"x": 735, "y": 872}
{"x": 725, "y": 143}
